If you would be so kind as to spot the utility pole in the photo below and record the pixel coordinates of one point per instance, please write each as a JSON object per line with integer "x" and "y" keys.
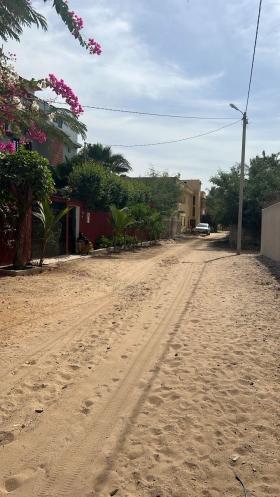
{"x": 241, "y": 184}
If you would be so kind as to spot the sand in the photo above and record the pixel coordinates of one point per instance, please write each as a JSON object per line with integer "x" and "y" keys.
{"x": 148, "y": 374}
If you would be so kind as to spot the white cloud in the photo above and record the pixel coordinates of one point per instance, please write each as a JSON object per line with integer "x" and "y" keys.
{"x": 173, "y": 57}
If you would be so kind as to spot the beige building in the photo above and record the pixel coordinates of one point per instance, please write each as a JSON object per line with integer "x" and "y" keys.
{"x": 190, "y": 205}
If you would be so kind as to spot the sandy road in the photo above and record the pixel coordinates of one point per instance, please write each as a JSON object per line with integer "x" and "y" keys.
{"x": 156, "y": 373}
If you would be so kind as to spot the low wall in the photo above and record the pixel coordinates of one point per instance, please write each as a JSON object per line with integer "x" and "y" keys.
{"x": 270, "y": 238}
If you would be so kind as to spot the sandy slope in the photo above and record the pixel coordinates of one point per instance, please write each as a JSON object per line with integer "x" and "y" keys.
{"x": 157, "y": 372}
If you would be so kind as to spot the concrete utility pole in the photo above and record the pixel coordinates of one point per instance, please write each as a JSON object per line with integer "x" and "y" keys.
{"x": 241, "y": 184}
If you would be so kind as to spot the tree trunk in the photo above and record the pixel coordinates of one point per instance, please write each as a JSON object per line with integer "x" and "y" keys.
{"x": 23, "y": 212}
{"x": 19, "y": 259}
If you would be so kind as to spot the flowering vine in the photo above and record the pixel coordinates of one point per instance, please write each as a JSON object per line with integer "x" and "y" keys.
{"x": 23, "y": 117}
{"x": 7, "y": 147}
{"x": 62, "y": 89}
{"x": 94, "y": 47}
{"x": 36, "y": 134}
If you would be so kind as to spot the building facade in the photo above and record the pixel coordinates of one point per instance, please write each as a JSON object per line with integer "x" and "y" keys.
{"x": 191, "y": 204}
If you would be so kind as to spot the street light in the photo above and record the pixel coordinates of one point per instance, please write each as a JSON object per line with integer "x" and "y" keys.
{"x": 241, "y": 184}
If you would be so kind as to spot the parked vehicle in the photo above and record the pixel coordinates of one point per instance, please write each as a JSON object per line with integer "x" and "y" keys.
{"x": 202, "y": 229}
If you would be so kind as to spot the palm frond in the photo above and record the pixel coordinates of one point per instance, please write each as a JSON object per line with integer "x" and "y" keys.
{"x": 14, "y": 15}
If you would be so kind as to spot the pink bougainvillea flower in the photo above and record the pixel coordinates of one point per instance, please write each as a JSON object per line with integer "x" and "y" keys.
{"x": 7, "y": 147}
{"x": 94, "y": 47}
{"x": 62, "y": 89}
{"x": 36, "y": 134}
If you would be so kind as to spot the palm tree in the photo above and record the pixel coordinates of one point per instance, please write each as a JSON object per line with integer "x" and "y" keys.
{"x": 49, "y": 220}
{"x": 104, "y": 156}
{"x": 121, "y": 220}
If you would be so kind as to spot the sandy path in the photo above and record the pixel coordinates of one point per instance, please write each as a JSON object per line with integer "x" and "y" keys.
{"x": 161, "y": 379}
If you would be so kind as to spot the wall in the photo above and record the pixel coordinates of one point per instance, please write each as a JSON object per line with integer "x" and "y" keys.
{"x": 190, "y": 205}
{"x": 7, "y": 246}
{"x": 270, "y": 237}
{"x": 94, "y": 224}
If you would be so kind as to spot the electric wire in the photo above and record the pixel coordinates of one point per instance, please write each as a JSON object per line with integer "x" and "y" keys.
{"x": 178, "y": 140}
{"x": 153, "y": 114}
{"x": 254, "y": 53}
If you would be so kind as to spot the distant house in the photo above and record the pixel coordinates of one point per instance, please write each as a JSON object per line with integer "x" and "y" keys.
{"x": 53, "y": 149}
{"x": 191, "y": 206}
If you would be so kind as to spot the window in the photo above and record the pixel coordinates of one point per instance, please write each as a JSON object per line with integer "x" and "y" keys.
{"x": 193, "y": 211}
{"x": 59, "y": 123}
{"x": 193, "y": 200}
{"x": 88, "y": 217}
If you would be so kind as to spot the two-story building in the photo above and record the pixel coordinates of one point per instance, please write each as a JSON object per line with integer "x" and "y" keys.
{"x": 190, "y": 205}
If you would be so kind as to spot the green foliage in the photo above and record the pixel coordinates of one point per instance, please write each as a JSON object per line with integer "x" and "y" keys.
{"x": 24, "y": 179}
{"x": 155, "y": 225}
{"x": 17, "y": 14}
{"x": 261, "y": 188}
{"x": 222, "y": 199}
{"x": 104, "y": 242}
{"x": 14, "y": 15}
{"x": 165, "y": 191}
{"x": 90, "y": 184}
{"x": 119, "y": 241}
{"x": 121, "y": 220}
{"x": 49, "y": 221}
{"x": 25, "y": 171}
{"x": 103, "y": 155}
{"x": 30, "y": 111}
{"x": 100, "y": 188}
{"x": 138, "y": 191}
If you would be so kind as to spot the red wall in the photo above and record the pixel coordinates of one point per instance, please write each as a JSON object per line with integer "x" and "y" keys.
{"x": 7, "y": 250}
{"x": 99, "y": 224}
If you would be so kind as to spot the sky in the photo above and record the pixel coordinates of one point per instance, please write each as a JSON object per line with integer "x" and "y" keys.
{"x": 187, "y": 57}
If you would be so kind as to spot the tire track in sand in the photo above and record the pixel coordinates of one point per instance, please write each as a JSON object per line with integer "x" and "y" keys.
{"x": 125, "y": 400}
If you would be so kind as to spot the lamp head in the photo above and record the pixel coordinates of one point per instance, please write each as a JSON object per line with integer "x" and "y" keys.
{"x": 235, "y": 108}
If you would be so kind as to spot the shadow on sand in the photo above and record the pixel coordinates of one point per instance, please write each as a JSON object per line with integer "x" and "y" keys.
{"x": 273, "y": 267}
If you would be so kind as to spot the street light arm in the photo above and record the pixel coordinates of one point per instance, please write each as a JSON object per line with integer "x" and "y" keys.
{"x": 236, "y": 108}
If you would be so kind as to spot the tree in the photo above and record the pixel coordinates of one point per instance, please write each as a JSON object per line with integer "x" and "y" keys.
{"x": 16, "y": 14}
{"x": 121, "y": 220}
{"x": 147, "y": 220}
{"x": 222, "y": 199}
{"x": 24, "y": 179}
{"x": 103, "y": 155}
{"x": 165, "y": 191}
{"x": 99, "y": 188}
{"x": 263, "y": 188}
{"x": 89, "y": 183}
{"x": 20, "y": 113}
{"x": 49, "y": 221}
{"x": 24, "y": 117}
{"x": 155, "y": 226}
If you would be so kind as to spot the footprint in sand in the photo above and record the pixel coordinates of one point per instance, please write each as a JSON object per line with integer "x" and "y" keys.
{"x": 156, "y": 401}
{"x": 65, "y": 376}
{"x": 13, "y": 482}
{"x": 86, "y": 407}
{"x": 176, "y": 346}
{"x": 6, "y": 437}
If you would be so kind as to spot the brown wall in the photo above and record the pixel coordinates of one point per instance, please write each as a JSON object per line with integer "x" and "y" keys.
{"x": 270, "y": 237}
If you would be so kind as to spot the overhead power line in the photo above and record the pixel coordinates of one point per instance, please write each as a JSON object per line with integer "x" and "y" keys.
{"x": 254, "y": 53}
{"x": 180, "y": 139}
{"x": 153, "y": 114}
